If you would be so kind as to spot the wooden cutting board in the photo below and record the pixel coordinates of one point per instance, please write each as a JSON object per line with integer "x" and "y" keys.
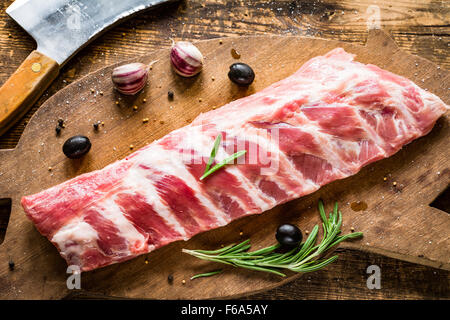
{"x": 398, "y": 221}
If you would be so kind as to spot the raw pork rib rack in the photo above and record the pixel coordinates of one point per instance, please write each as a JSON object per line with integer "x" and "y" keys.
{"x": 325, "y": 122}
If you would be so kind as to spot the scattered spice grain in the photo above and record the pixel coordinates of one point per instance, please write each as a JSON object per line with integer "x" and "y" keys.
{"x": 235, "y": 54}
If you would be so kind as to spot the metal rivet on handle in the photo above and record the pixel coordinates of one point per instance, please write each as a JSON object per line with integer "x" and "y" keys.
{"x": 36, "y": 67}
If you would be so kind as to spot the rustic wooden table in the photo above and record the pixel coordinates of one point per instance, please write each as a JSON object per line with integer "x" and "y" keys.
{"x": 419, "y": 27}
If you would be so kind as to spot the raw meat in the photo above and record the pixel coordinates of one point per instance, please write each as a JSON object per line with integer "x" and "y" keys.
{"x": 325, "y": 122}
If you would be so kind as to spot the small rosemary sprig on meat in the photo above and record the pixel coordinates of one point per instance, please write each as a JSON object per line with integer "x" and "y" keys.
{"x": 305, "y": 257}
{"x": 212, "y": 156}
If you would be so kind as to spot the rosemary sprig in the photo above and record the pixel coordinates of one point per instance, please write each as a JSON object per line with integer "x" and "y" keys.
{"x": 212, "y": 156}
{"x": 307, "y": 257}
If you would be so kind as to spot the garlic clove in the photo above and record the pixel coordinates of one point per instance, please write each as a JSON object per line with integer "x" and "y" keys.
{"x": 186, "y": 59}
{"x": 130, "y": 78}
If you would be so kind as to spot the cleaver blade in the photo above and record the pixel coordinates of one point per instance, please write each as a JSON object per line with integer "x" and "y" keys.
{"x": 62, "y": 27}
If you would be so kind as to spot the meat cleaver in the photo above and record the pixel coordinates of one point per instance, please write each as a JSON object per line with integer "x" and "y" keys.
{"x": 61, "y": 28}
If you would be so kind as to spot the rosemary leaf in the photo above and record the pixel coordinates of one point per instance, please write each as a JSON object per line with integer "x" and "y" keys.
{"x": 236, "y": 247}
{"x": 242, "y": 256}
{"x": 264, "y": 250}
{"x": 214, "y": 251}
{"x": 261, "y": 269}
{"x": 223, "y": 163}
{"x": 322, "y": 214}
{"x": 339, "y": 239}
{"x": 213, "y": 152}
{"x": 206, "y": 274}
{"x": 317, "y": 266}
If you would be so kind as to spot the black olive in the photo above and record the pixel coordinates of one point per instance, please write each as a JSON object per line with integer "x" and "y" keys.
{"x": 76, "y": 147}
{"x": 241, "y": 74}
{"x": 289, "y": 235}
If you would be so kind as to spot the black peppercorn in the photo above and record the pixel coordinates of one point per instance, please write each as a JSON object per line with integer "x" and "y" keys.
{"x": 95, "y": 125}
{"x": 60, "y": 122}
{"x": 170, "y": 278}
{"x": 58, "y": 130}
{"x": 11, "y": 265}
{"x": 170, "y": 95}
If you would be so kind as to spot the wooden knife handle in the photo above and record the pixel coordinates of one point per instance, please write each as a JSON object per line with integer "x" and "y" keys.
{"x": 24, "y": 87}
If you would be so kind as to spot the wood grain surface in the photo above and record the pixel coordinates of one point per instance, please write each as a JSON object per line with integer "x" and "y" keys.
{"x": 419, "y": 29}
